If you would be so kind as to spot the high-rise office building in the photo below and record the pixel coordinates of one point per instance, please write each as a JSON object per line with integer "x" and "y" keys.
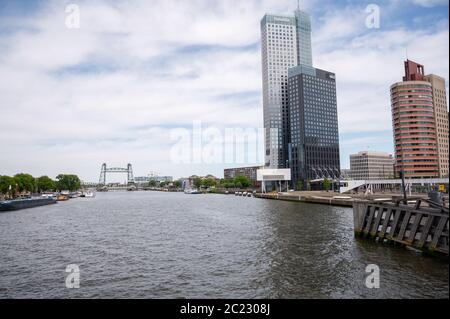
{"x": 420, "y": 121}
{"x": 441, "y": 121}
{"x": 314, "y": 130}
{"x": 285, "y": 43}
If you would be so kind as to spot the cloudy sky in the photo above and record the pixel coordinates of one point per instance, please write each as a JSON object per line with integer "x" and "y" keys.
{"x": 115, "y": 89}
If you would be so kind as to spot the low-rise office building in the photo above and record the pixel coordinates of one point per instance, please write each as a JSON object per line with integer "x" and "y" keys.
{"x": 144, "y": 180}
{"x": 371, "y": 165}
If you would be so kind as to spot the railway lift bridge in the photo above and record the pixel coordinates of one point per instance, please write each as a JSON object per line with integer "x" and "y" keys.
{"x": 116, "y": 170}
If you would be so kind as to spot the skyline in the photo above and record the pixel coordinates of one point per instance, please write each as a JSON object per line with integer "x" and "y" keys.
{"x": 105, "y": 92}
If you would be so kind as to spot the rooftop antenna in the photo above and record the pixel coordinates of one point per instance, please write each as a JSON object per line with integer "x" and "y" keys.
{"x": 298, "y": 5}
{"x": 407, "y": 53}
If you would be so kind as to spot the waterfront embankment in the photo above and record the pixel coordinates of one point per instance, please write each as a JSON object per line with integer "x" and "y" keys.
{"x": 333, "y": 199}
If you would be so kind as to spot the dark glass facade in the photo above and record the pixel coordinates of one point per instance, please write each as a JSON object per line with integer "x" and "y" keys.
{"x": 313, "y": 119}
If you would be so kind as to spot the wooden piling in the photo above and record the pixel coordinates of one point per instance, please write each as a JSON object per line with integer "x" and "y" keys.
{"x": 423, "y": 228}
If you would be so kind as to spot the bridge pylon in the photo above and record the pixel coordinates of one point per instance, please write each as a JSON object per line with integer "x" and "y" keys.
{"x": 106, "y": 170}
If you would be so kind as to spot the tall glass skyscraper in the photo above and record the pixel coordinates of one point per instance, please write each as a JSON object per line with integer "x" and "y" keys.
{"x": 286, "y": 43}
{"x": 304, "y": 47}
{"x": 300, "y": 108}
{"x": 314, "y": 130}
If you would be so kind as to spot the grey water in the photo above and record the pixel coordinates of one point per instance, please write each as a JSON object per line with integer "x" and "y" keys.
{"x": 172, "y": 245}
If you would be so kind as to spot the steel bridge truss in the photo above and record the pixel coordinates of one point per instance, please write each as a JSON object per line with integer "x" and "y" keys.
{"x": 114, "y": 170}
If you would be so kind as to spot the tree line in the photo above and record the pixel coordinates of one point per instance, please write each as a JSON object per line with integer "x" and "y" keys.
{"x": 198, "y": 182}
{"x": 237, "y": 182}
{"x": 26, "y": 183}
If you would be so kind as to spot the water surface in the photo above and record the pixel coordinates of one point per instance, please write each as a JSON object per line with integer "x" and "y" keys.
{"x": 172, "y": 245}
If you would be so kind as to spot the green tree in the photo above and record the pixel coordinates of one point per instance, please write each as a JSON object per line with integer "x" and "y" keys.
{"x": 326, "y": 184}
{"x": 152, "y": 183}
{"x": 209, "y": 182}
{"x": 25, "y": 182}
{"x": 300, "y": 185}
{"x": 45, "y": 183}
{"x": 68, "y": 182}
{"x": 227, "y": 183}
{"x": 177, "y": 184}
{"x": 5, "y": 183}
{"x": 242, "y": 181}
{"x": 197, "y": 182}
{"x": 224, "y": 185}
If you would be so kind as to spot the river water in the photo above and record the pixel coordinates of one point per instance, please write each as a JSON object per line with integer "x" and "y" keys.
{"x": 172, "y": 245}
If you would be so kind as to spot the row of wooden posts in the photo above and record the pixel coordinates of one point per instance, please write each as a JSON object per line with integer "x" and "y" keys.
{"x": 423, "y": 226}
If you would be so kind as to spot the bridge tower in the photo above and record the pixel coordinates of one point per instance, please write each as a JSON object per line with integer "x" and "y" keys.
{"x": 130, "y": 177}
{"x": 105, "y": 170}
{"x": 102, "y": 180}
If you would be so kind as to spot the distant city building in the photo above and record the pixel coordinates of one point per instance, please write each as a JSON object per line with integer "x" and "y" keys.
{"x": 88, "y": 184}
{"x": 371, "y": 165}
{"x": 188, "y": 183}
{"x": 162, "y": 179}
{"x": 141, "y": 179}
{"x": 147, "y": 179}
{"x": 420, "y": 122}
{"x": 285, "y": 43}
{"x": 249, "y": 172}
{"x": 314, "y": 132}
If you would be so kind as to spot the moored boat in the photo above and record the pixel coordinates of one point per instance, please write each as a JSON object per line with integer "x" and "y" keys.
{"x": 89, "y": 194}
{"x": 62, "y": 198}
{"x": 192, "y": 191}
{"x": 48, "y": 195}
{"x": 19, "y": 204}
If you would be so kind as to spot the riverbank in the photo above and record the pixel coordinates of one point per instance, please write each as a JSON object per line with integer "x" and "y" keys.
{"x": 314, "y": 197}
{"x": 333, "y": 199}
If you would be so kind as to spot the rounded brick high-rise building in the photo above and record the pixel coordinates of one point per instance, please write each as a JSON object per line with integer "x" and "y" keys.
{"x": 414, "y": 125}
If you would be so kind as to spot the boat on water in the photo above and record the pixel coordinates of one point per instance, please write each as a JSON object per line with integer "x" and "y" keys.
{"x": 18, "y": 204}
{"x": 49, "y": 195}
{"x": 192, "y": 191}
{"x": 62, "y": 198}
{"x": 89, "y": 194}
